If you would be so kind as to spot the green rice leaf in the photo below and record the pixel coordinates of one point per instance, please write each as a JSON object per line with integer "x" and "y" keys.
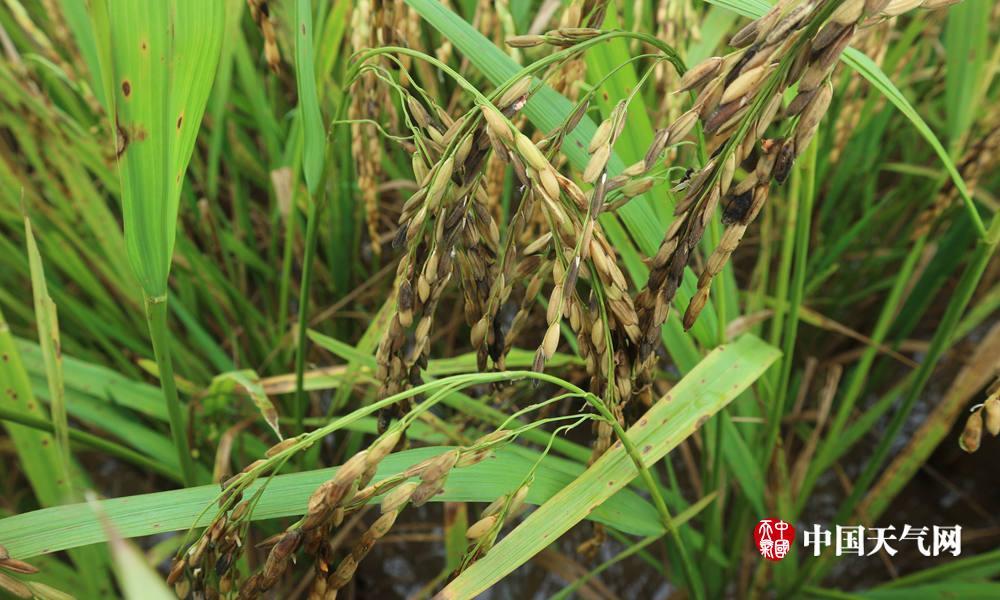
{"x": 160, "y": 65}
{"x": 709, "y": 387}
{"x": 38, "y": 455}
{"x": 37, "y": 451}
{"x": 54, "y": 529}
{"x": 972, "y": 568}
{"x": 75, "y": 13}
{"x": 48, "y": 340}
{"x": 967, "y": 42}
{"x": 98, "y": 382}
{"x": 249, "y": 381}
{"x": 305, "y": 80}
{"x": 137, "y": 580}
{"x": 937, "y": 590}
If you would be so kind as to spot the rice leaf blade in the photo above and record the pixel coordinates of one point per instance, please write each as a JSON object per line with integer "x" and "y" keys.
{"x": 250, "y": 382}
{"x": 311, "y": 124}
{"x": 73, "y": 525}
{"x": 733, "y": 368}
{"x": 48, "y": 340}
{"x": 967, "y": 44}
{"x": 38, "y": 454}
{"x": 136, "y": 578}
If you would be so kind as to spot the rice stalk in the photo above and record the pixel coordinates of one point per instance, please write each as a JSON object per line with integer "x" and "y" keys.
{"x": 313, "y": 159}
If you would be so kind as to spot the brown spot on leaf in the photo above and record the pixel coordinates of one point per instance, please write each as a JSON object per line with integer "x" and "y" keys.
{"x": 126, "y": 88}
{"x": 180, "y": 121}
{"x": 122, "y": 140}
{"x": 127, "y": 135}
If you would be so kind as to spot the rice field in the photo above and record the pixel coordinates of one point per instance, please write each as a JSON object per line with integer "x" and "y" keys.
{"x": 516, "y": 299}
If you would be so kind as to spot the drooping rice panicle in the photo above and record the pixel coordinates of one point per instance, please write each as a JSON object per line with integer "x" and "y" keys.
{"x": 739, "y": 97}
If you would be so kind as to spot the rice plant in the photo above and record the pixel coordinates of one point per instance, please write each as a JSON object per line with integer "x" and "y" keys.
{"x": 499, "y": 299}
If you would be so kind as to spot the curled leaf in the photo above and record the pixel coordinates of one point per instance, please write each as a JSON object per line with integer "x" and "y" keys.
{"x": 247, "y": 381}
